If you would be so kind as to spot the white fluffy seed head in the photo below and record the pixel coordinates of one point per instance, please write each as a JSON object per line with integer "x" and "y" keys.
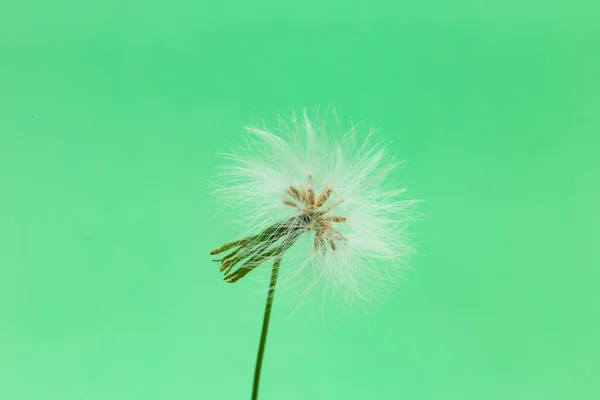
{"x": 355, "y": 240}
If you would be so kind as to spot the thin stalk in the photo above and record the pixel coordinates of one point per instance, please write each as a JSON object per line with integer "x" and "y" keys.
{"x": 265, "y": 327}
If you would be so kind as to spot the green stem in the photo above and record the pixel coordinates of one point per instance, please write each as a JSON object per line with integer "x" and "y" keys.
{"x": 265, "y": 327}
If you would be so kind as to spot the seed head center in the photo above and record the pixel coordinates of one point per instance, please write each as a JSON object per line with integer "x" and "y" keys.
{"x": 309, "y": 204}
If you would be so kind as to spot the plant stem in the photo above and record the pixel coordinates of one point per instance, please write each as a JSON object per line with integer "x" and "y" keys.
{"x": 265, "y": 327}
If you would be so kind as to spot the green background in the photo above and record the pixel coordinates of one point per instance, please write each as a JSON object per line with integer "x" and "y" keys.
{"x": 111, "y": 117}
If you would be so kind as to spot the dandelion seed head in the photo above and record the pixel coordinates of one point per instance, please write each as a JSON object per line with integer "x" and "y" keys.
{"x": 350, "y": 231}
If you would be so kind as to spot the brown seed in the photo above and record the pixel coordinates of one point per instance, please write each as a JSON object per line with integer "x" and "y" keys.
{"x": 323, "y": 212}
{"x": 292, "y": 191}
{"x": 311, "y": 196}
{"x": 323, "y": 197}
{"x": 305, "y": 195}
{"x": 320, "y": 242}
{"x": 335, "y": 219}
{"x": 290, "y": 203}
